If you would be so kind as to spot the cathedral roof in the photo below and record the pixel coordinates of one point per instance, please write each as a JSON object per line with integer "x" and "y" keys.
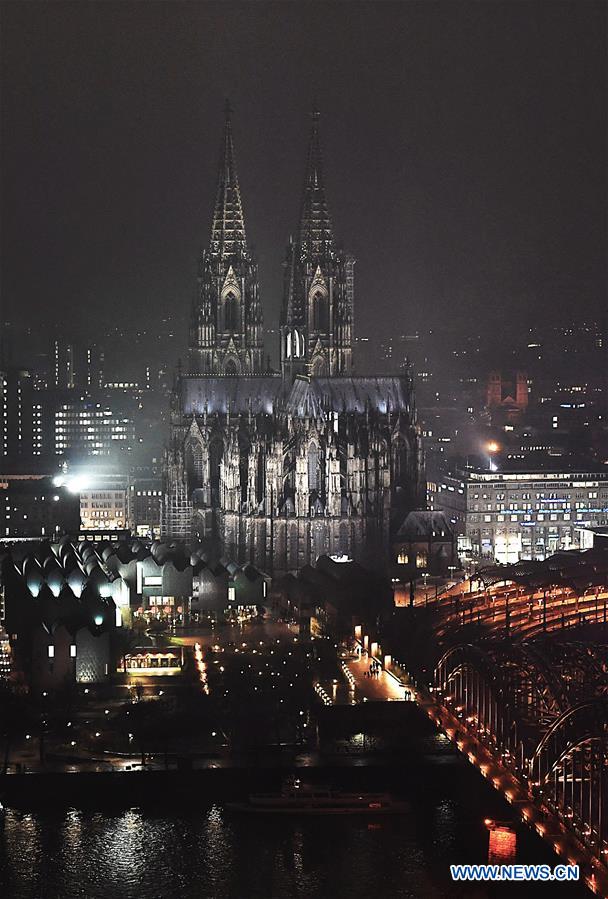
{"x": 383, "y": 394}
{"x": 228, "y": 226}
{"x": 305, "y": 397}
{"x": 230, "y": 394}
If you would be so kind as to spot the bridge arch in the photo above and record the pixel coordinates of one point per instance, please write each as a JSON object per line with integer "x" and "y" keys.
{"x": 499, "y": 692}
{"x": 568, "y": 770}
{"x": 471, "y": 686}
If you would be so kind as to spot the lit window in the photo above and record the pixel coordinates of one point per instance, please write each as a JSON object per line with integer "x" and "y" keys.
{"x": 72, "y": 650}
{"x": 51, "y": 652}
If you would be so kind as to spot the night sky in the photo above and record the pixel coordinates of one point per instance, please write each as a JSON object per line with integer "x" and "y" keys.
{"x": 464, "y": 143}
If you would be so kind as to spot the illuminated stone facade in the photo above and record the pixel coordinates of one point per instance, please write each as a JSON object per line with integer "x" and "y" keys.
{"x": 278, "y": 468}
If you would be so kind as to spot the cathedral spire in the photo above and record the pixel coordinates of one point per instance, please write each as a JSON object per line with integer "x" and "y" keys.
{"x": 317, "y": 311}
{"x": 226, "y": 328}
{"x": 316, "y": 232}
{"x": 228, "y": 226}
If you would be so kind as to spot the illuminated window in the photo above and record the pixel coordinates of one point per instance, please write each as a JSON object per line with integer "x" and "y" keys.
{"x": 313, "y": 467}
{"x": 421, "y": 560}
{"x": 153, "y": 581}
{"x": 403, "y": 558}
{"x": 51, "y": 652}
{"x": 72, "y": 650}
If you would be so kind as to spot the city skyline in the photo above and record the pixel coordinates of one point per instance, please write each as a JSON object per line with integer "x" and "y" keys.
{"x": 304, "y": 448}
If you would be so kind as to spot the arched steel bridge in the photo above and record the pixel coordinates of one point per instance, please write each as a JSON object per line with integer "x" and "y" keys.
{"x": 518, "y": 659}
{"x": 540, "y": 708}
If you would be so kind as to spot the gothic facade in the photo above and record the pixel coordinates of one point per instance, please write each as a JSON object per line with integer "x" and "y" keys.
{"x": 277, "y": 468}
{"x": 226, "y": 320}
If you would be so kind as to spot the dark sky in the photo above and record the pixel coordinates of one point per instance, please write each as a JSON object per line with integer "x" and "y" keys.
{"x": 464, "y": 143}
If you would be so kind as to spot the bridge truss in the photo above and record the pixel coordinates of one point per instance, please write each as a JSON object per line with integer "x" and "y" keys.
{"x": 541, "y": 708}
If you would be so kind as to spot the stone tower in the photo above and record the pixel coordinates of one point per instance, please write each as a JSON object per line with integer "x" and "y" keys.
{"x": 318, "y": 300}
{"x": 226, "y": 329}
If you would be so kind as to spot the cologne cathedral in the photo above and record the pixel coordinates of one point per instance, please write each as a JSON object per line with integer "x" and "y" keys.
{"x": 278, "y": 467}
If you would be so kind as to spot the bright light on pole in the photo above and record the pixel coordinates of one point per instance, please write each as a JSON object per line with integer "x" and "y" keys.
{"x": 492, "y": 447}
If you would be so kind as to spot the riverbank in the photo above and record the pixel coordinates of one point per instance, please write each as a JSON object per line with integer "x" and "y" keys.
{"x": 187, "y": 787}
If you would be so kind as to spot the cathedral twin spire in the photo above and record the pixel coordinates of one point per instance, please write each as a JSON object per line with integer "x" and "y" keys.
{"x": 226, "y": 329}
{"x": 315, "y": 231}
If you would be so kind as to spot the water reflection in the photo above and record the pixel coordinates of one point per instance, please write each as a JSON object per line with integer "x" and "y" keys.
{"x": 212, "y": 854}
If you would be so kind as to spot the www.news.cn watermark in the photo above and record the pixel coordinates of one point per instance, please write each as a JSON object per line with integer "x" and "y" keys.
{"x": 514, "y": 872}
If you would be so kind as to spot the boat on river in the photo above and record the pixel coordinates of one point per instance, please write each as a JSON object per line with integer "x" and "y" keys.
{"x": 297, "y": 798}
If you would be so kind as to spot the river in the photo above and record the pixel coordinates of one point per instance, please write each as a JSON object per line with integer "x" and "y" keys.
{"x": 199, "y": 850}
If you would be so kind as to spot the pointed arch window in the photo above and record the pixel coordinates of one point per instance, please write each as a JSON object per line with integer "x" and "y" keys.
{"x": 313, "y": 468}
{"x": 198, "y": 459}
{"x": 298, "y": 344}
{"x": 400, "y": 460}
{"x": 244, "y": 450}
{"x": 320, "y": 540}
{"x": 320, "y": 312}
{"x": 231, "y": 312}
{"x": 294, "y": 345}
{"x": 319, "y": 367}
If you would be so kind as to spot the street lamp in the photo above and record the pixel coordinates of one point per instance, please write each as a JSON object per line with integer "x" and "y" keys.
{"x": 492, "y": 447}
